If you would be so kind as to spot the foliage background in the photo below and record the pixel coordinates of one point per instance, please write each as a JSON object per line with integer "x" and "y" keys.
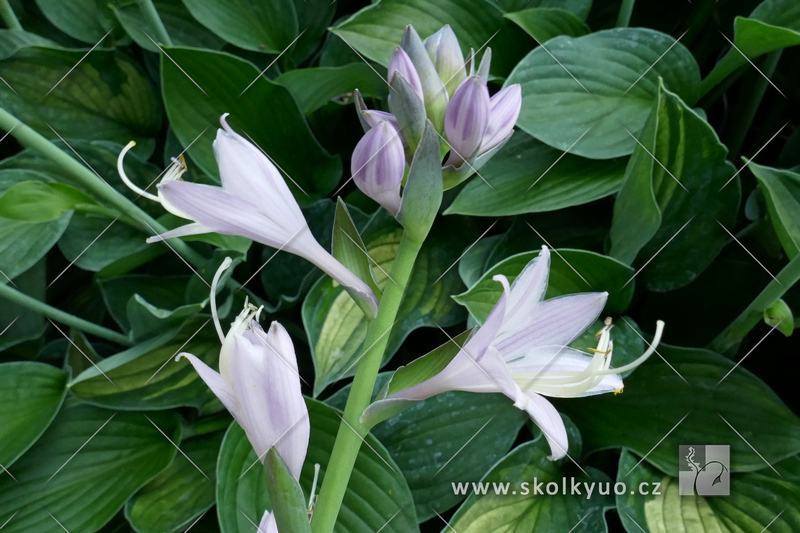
{"x": 114, "y": 436}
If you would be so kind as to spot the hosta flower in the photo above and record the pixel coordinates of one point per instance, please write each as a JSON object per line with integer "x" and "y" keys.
{"x": 258, "y": 383}
{"x": 378, "y": 165}
{"x": 400, "y": 64}
{"x": 522, "y": 351}
{"x": 254, "y": 202}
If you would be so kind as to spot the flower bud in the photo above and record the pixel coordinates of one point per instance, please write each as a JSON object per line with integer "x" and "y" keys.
{"x": 447, "y": 58}
{"x": 378, "y": 165}
{"x": 504, "y": 109}
{"x": 466, "y": 119}
{"x": 401, "y": 64}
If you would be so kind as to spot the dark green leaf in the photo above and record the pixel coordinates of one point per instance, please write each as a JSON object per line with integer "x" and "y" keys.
{"x": 315, "y": 87}
{"x": 122, "y": 105}
{"x": 595, "y": 273}
{"x": 260, "y": 26}
{"x": 278, "y": 128}
{"x": 36, "y": 201}
{"x": 313, "y": 19}
{"x": 13, "y": 40}
{"x": 119, "y": 453}
{"x": 678, "y": 177}
{"x": 179, "y": 494}
{"x": 368, "y": 505}
{"x": 656, "y": 399}
{"x": 579, "y": 8}
{"x": 588, "y": 114}
{"x": 544, "y": 24}
{"x": 30, "y": 395}
{"x": 85, "y": 20}
{"x": 528, "y": 176}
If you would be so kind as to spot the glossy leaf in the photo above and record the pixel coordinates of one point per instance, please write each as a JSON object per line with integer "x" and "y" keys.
{"x": 368, "y": 505}
{"x": 119, "y": 453}
{"x": 546, "y": 23}
{"x": 260, "y": 26}
{"x": 527, "y": 176}
{"x": 181, "y": 27}
{"x": 588, "y": 115}
{"x": 85, "y": 20}
{"x": 781, "y": 190}
{"x": 156, "y": 509}
{"x": 148, "y": 377}
{"x": 595, "y": 273}
{"x": 36, "y": 201}
{"x": 695, "y": 188}
{"x": 315, "y": 87}
{"x": 13, "y": 40}
{"x": 656, "y": 399}
{"x": 279, "y": 128}
{"x": 121, "y": 106}
{"x": 580, "y": 8}
{"x": 30, "y": 396}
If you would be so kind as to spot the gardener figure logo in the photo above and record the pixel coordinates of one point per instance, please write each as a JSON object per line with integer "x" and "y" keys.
{"x": 704, "y": 470}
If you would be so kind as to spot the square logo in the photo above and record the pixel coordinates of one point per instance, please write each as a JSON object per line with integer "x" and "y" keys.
{"x": 704, "y": 470}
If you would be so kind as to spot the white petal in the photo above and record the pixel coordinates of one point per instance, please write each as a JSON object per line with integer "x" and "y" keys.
{"x": 549, "y": 421}
{"x": 224, "y": 212}
{"x": 247, "y": 172}
{"x": 194, "y": 228}
{"x": 215, "y": 383}
{"x": 273, "y": 410}
{"x": 557, "y": 321}
{"x": 268, "y": 524}
{"x": 529, "y": 287}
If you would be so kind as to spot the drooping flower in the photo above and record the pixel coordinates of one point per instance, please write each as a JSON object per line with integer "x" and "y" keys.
{"x": 378, "y": 165}
{"x": 258, "y": 383}
{"x": 253, "y": 202}
{"x": 522, "y": 351}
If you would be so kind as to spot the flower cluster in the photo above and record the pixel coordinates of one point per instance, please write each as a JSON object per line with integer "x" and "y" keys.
{"x": 431, "y": 80}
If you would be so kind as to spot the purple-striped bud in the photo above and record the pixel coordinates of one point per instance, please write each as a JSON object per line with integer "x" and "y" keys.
{"x": 503, "y": 112}
{"x": 447, "y": 58}
{"x": 378, "y": 165}
{"x": 401, "y": 64}
{"x": 466, "y": 119}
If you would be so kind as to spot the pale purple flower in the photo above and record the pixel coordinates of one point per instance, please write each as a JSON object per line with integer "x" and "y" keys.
{"x": 504, "y": 109}
{"x": 268, "y": 524}
{"x": 258, "y": 383}
{"x": 447, "y": 58}
{"x": 253, "y": 202}
{"x": 400, "y": 63}
{"x": 522, "y": 351}
{"x": 466, "y": 119}
{"x": 378, "y": 165}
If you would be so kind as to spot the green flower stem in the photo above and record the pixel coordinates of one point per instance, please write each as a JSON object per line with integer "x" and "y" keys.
{"x": 749, "y": 101}
{"x": 29, "y": 138}
{"x": 151, "y": 15}
{"x": 13, "y": 295}
{"x": 625, "y": 11}
{"x": 750, "y": 317}
{"x": 351, "y": 431}
{"x": 12, "y": 23}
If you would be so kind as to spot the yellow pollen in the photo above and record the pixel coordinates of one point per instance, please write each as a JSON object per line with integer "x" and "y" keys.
{"x": 599, "y": 351}
{"x": 617, "y": 392}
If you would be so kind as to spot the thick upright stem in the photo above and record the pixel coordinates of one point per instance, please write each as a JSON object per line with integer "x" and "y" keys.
{"x": 13, "y": 295}
{"x": 151, "y": 15}
{"x": 12, "y": 23}
{"x": 754, "y": 313}
{"x": 351, "y": 431}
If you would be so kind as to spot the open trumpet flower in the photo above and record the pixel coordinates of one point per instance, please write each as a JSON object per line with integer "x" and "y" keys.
{"x": 522, "y": 351}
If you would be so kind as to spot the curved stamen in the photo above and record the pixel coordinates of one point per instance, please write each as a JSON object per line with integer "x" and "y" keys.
{"x": 226, "y": 263}
{"x": 132, "y": 186}
{"x": 643, "y": 357}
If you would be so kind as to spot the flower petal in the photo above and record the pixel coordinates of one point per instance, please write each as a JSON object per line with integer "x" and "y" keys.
{"x": 557, "y": 321}
{"x": 215, "y": 383}
{"x": 378, "y": 164}
{"x": 247, "y": 172}
{"x": 504, "y": 108}
{"x": 466, "y": 119}
{"x": 400, "y": 63}
{"x": 274, "y": 413}
{"x": 549, "y": 421}
{"x": 528, "y": 289}
{"x": 268, "y": 524}
{"x": 195, "y": 228}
